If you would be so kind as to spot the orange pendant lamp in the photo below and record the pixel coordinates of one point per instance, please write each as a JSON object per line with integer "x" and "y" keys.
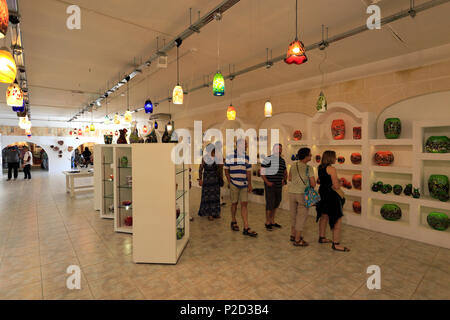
{"x": 4, "y": 18}
{"x": 8, "y": 69}
{"x": 296, "y": 51}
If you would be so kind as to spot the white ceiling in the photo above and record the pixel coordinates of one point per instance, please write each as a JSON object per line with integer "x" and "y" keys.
{"x": 67, "y": 69}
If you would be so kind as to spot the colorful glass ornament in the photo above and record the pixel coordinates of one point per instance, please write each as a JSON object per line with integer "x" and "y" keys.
{"x": 128, "y": 117}
{"x": 80, "y": 132}
{"x": 321, "y": 104}
{"x": 338, "y": 129}
{"x": 296, "y": 53}
{"x": 14, "y": 95}
{"x": 148, "y": 106}
{"x": 92, "y": 127}
{"x": 218, "y": 84}
{"x": 8, "y": 67}
{"x": 156, "y": 125}
{"x": 116, "y": 119}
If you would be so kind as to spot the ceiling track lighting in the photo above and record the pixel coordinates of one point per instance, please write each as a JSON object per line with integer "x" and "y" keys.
{"x": 202, "y": 22}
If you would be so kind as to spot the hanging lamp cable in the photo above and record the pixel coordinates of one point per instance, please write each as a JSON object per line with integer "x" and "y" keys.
{"x": 296, "y": 19}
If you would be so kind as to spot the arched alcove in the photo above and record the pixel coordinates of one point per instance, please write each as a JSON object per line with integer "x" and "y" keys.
{"x": 40, "y": 155}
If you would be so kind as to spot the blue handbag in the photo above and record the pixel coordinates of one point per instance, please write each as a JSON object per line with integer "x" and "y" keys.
{"x": 311, "y": 195}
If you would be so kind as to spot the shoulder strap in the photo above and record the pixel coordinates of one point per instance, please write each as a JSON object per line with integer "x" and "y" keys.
{"x": 296, "y": 165}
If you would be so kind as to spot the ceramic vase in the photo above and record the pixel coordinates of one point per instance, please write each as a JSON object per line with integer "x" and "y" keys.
{"x": 392, "y": 128}
{"x": 338, "y": 129}
{"x": 356, "y": 207}
{"x": 437, "y": 144}
{"x": 438, "y": 186}
{"x": 384, "y": 158}
{"x": 391, "y": 212}
{"x": 356, "y": 133}
{"x": 438, "y": 221}
{"x": 357, "y": 181}
{"x": 397, "y": 189}
{"x": 356, "y": 158}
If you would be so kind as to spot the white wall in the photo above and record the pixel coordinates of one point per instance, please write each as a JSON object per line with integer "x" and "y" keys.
{"x": 56, "y": 164}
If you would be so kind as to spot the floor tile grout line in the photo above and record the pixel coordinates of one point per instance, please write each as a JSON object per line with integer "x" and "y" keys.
{"x": 425, "y": 273}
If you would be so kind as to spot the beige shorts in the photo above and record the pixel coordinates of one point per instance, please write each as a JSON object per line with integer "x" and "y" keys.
{"x": 299, "y": 213}
{"x": 238, "y": 194}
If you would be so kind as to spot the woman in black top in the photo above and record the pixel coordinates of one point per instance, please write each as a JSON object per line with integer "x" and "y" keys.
{"x": 329, "y": 208}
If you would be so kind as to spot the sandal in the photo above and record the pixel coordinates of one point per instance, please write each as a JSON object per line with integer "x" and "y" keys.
{"x": 301, "y": 243}
{"x": 248, "y": 232}
{"x": 324, "y": 240}
{"x": 210, "y": 218}
{"x": 292, "y": 238}
{"x": 268, "y": 227}
{"x": 234, "y": 226}
{"x": 337, "y": 243}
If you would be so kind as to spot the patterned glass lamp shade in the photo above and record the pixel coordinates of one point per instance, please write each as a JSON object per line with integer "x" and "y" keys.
{"x": 148, "y": 106}
{"x": 156, "y": 125}
{"x": 14, "y": 95}
{"x": 28, "y": 133}
{"x": 321, "y": 103}
{"x": 296, "y": 53}
{"x": 92, "y": 127}
{"x": 19, "y": 109}
{"x": 231, "y": 113}
{"x": 80, "y": 132}
{"x": 86, "y": 129}
{"x": 268, "y": 109}
{"x": 25, "y": 123}
{"x": 144, "y": 129}
{"x": 4, "y": 18}
{"x": 128, "y": 117}
{"x": 177, "y": 95}
{"x": 116, "y": 119}
{"x": 218, "y": 85}
{"x": 107, "y": 120}
{"x": 8, "y": 67}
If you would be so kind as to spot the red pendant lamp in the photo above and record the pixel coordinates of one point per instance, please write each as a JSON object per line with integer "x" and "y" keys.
{"x": 296, "y": 52}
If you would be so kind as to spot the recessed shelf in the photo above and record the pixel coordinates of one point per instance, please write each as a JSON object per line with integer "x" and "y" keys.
{"x": 391, "y": 142}
{"x": 337, "y": 142}
{"x": 352, "y": 192}
{"x": 392, "y": 169}
{"x": 428, "y": 201}
{"x": 125, "y": 229}
{"x": 128, "y": 208}
{"x": 434, "y": 156}
{"x": 390, "y": 197}
{"x": 299, "y": 143}
{"x": 347, "y": 167}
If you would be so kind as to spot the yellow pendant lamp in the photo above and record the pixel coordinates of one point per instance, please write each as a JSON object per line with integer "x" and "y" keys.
{"x": 231, "y": 113}
{"x": 86, "y": 129}
{"x": 8, "y": 67}
{"x": 92, "y": 127}
{"x": 116, "y": 119}
{"x": 128, "y": 117}
{"x": 14, "y": 95}
{"x": 268, "y": 109}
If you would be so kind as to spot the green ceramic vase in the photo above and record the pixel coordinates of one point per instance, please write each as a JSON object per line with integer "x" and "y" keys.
{"x": 438, "y": 186}
{"x": 392, "y": 128}
{"x": 437, "y": 144}
{"x": 391, "y": 212}
{"x": 438, "y": 221}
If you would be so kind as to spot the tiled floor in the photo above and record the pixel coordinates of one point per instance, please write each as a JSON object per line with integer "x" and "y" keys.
{"x": 43, "y": 231}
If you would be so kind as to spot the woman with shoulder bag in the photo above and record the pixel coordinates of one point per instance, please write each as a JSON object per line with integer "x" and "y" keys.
{"x": 300, "y": 180}
{"x": 329, "y": 208}
{"x": 209, "y": 180}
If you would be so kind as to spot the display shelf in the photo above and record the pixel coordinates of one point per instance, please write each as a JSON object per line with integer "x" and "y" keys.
{"x": 389, "y": 197}
{"x": 392, "y": 169}
{"x": 346, "y": 167}
{"x": 344, "y": 142}
{"x": 109, "y": 196}
{"x": 352, "y": 192}
{"x": 391, "y": 142}
{"x": 434, "y": 156}
{"x": 122, "y": 191}
{"x": 294, "y": 143}
{"x": 156, "y": 231}
{"x": 428, "y": 201}
{"x": 103, "y": 164}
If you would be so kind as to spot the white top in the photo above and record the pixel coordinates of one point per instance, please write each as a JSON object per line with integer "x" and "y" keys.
{"x": 28, "y": 158}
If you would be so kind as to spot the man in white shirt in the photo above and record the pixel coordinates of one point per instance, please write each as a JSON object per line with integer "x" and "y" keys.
{"x": 27, "y": 162}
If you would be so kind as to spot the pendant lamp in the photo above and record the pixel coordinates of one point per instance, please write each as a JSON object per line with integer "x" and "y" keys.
{"x": 4, "y": 18}
{"x": 128, "y": 117}
{"x": 268, "y": 109}
{"x": 177, "y": 95}
{"x": 80, "y": 132}
{"x": 116, "y": 119}
{"x": 25, "y": 123}
{"x": 19, "y": 109}
{"x": 14, "y": 95}
{"x": 148, "y": 106}
{"x": 321, "y": 103}
{"x": 144, "y": 129}
{"x": 156, "y": 125}
{"x": 86, "y": 129}
{"x": 231, "y": 113}
{"x": 92, "y": 127}
{"x": 8, "y": 67}
{"x": 296, "y": 51}
{"x": 107, "y": 121}
{"x": 218, "y": 84}
{"x": 169, "y": 127}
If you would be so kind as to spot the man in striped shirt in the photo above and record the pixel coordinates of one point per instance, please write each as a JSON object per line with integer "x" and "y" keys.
{"x": 274, "y": 174}
{"x": 238, "y": 173}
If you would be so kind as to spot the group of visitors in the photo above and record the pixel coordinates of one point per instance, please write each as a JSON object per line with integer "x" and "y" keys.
{"x": 275, "y": 176}
{"x": 82, "y": 159}
{"x": 13, "y": 158}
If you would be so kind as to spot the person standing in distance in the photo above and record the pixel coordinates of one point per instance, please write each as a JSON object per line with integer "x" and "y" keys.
{"x": 27, "y": 163}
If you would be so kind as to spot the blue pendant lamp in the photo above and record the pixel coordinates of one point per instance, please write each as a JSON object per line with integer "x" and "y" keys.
{"x": 148, "y": 106}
